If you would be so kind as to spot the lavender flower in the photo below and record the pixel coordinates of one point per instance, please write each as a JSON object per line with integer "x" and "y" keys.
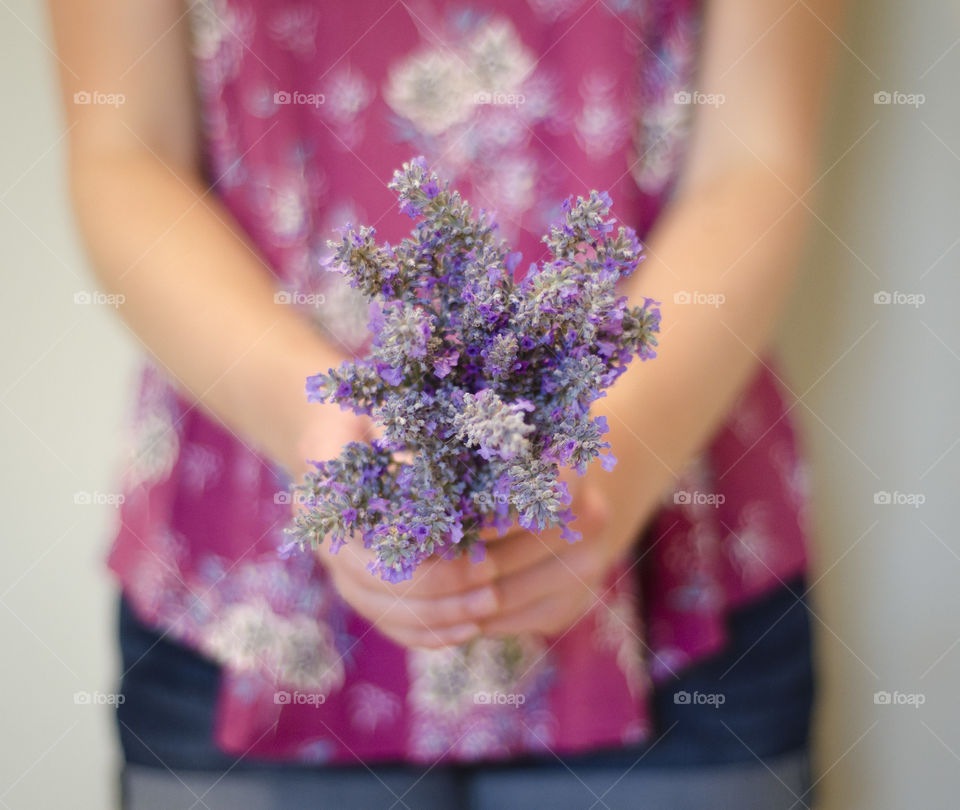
{"x": 482, "y": 384}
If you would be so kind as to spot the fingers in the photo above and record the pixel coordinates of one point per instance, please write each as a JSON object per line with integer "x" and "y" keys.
{"x": 416, "y": 612}
{"x": 523, "y": 549}
{"x": 435, "y": 577}
{"x": 490, "y": 534}
{"x": 413, "y": 621}
{"x": 429, "y": 638}
{"x": 405, "y": 624}
{"x": 578, "y": 569}
{"x": 439, "y": 577}
{"x": 550, "y": 615}
{"x": 527, "y": 582}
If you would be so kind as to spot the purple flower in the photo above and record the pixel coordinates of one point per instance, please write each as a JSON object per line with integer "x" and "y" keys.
{"x": 443, "y": 364}
{"x": 316, "y": 388}
{"x": 481, "y": 382}
{"x": 389, "y": 374}
{"x": 376, "y": 321}
{"x": 456, "y": 533}
{"x": 287, "y": 549}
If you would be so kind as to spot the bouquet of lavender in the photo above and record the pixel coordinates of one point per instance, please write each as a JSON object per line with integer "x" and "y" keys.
{"x": 482, "y": 384}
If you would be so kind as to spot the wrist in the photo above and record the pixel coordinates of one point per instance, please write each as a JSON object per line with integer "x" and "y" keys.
{"x": 322, "y": 435}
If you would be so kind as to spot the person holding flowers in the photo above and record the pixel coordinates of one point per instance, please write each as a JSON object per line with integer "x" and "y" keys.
{"x": 503, "y": 623}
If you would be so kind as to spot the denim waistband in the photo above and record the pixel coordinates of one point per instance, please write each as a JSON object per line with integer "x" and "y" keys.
{"x": 752, "y": 700}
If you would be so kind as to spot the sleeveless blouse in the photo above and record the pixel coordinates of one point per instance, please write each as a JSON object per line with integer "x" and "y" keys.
{"x": 307, "y": 109}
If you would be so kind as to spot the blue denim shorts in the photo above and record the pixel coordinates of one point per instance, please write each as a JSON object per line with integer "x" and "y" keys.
{"x": 765, "y": 675}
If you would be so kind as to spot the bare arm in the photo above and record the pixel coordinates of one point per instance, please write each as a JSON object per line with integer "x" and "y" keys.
{"x": 733, "y": 229}
{"x": 196, "y": 293}
{"x": 199, "y": 296}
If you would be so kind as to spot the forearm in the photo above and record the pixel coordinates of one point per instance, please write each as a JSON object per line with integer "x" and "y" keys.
{"x": 736, "y": 240}
{"x": 200, "y": 299}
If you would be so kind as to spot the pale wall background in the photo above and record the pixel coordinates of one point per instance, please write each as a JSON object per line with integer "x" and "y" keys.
{"x": 878, "y": 390}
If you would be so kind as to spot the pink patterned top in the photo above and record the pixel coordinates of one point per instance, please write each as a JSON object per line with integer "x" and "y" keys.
{"x": 307, "y": 109}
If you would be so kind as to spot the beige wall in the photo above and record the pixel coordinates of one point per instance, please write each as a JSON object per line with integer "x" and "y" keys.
{"x": 63, "y": 371}
{"x": 879, "y": 389}
{"x": 880, "y": 398}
